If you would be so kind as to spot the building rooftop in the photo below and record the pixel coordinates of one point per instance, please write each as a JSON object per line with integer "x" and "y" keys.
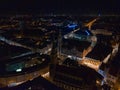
{"x": 100, "y": 51}
{"x": 85, "y": 32}
{"x": 38, "y": 83}
{"x": 115, "y": 65}
{"x": 72, "y": 43}
{"x": 76, "y": 75}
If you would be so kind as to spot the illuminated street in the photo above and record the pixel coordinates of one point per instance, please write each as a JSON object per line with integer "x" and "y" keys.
{"x": 50, "y": 51}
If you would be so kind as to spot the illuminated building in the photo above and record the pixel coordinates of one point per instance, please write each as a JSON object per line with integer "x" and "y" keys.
{"x": 65, "y": 70}
{"x": 75, "y": 77}
{"x": 21, "y": 69}
{"x": 38, "y": 83}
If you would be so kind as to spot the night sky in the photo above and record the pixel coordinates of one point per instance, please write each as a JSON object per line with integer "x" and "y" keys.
{"x": 59, "y": 6}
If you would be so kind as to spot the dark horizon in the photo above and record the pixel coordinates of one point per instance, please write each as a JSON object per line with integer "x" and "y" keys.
{"x": 59, "y": 6}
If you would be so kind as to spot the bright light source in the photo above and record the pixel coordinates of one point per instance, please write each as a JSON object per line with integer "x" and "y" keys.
{"x": 97, "y": 82}
{"x": 72, "y": 25}
{"x": 19, "y": 70}
{"x": 69, "y": 56}
{"x": 87, "y": 32}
